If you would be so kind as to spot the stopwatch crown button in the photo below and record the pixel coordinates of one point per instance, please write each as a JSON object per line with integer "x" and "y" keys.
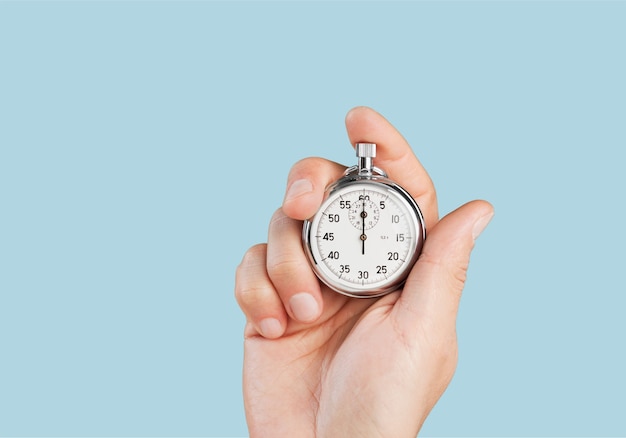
{"x": 365, "y": 150}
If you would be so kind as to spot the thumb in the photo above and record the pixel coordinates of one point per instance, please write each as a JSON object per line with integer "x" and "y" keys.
{"x": 431, "y": 295}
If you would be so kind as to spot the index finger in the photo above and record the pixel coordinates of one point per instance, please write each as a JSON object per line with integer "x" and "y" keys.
{"x": 395, "y": 156}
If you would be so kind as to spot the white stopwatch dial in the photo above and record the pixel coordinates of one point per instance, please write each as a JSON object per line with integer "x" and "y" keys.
{"x": 367, "y": 233}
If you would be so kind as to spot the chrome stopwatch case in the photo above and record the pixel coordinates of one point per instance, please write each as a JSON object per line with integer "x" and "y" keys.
{"x": 368, "y": 232}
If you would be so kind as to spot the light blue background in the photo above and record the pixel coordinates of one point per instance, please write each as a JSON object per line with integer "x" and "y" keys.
{"x": 145, "y": 145}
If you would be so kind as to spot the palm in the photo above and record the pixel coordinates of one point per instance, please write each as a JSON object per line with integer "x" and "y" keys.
{"x": 306, "y": 383}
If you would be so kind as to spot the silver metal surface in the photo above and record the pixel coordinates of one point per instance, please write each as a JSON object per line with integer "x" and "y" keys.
{"x": 366, "y": 153}
{"x": 365, "y": 150}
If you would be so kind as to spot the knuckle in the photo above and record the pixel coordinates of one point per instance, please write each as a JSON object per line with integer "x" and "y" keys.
{"x": 306, "y": 166}
{"x": 284, "y": 269}
{"x": 282, "y": 230}
{"x": 453, "y": 272}
{"x": 457, "y": 276}
{"x": 253, "y": 260}
{"x": 249, "y": 295}
{"x": 254, "y": 256}
{"x": 279, "y": 219}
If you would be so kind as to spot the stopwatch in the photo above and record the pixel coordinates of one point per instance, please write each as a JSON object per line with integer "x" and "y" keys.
{"x": 368, "y": 232}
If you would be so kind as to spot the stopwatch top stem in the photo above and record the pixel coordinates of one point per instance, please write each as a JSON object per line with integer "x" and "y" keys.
{"x": 366, "y": 153}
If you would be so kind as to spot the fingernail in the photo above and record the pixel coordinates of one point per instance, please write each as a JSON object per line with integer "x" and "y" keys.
{"x": 480, "y": 225}
{"x": 304, "y": 307}
{"x": 270, "y": 328}
{"x": 298, "y": 188}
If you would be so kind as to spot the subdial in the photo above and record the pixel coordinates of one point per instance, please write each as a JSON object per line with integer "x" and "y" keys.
{"x": 363, "y": 214}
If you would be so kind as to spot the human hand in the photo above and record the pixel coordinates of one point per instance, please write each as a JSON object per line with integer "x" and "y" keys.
{"x": 319, "y": 364}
